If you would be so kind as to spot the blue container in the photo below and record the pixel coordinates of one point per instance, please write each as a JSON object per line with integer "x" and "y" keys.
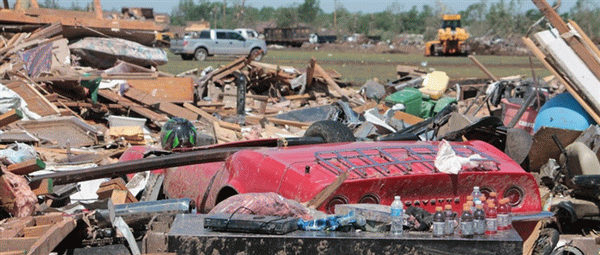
{"x": 564, "y": 112}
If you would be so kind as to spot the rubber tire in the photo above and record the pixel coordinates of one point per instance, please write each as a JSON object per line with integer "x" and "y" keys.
{"x": 200, "y": 54}
{"x": 546, "y": 242}
{"x": 259, "y": 57}
{"x": 187, "y": 56}
{"x": 331, "y": 131}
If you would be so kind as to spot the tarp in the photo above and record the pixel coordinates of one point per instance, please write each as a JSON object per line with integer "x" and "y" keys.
{"x": 103, "y": 53}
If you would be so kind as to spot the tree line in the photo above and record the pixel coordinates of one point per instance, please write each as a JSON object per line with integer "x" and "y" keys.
{"x": 499, "y": 18}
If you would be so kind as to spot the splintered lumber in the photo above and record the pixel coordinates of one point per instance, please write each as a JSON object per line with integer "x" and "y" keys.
{"x": 117, "y": 191}
{"x": 577, "y": 46}
{"x": 330, "y": 82}
{"x": 11, "y": 116}
{"x": 166, "y": 89}
{"x": 26, "y": 167}
{"x": 211, "y": 118}
{"x": 279, "y": 121}
{"x": 141, "y": 165}
{"x": 229, "y": 69}
{"x": 485, "y": 70}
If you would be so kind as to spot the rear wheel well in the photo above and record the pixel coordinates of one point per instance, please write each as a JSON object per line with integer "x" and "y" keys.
{"x": 225, "y": 193}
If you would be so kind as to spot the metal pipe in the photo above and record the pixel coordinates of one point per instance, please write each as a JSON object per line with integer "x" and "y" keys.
{"x": 523, "y": 108}
{"x": 141, "y": 165}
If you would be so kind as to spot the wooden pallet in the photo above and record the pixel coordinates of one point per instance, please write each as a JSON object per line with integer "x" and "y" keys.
{"x": 34, "y": 235}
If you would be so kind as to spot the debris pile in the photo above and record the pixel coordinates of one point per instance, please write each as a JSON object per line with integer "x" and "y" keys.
{"x": 98, "y": 148}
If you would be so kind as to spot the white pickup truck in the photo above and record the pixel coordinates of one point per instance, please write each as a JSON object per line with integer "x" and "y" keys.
{"x": 200, "y": 45}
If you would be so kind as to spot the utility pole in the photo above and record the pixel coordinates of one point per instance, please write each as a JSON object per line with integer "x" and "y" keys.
{"x": 335, "y": 13}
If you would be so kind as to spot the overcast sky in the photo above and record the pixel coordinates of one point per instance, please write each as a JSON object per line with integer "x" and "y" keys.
{"x": 366, "y": 6}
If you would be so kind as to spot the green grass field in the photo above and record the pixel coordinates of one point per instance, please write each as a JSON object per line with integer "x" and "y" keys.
{"x": 361, "y": 67}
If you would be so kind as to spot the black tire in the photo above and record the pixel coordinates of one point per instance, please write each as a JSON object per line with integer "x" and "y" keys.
{"x": 331, "y": 131}
{"x": 187, "y": 56}
{"x": 546, "y": 242}
{"x": 259, "y": 56}
{"x": 200, "y": 54}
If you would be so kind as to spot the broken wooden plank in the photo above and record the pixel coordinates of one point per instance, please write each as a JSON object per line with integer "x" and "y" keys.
{"x": 577, "y": 46}
{"x": 36, "y": 231}
{"x": 586, "y": 40}
{"x": 178, "y": 111}
{"x": 47, "y": 242}
{"x": 17, "y": 244}
{"x": 26, "y": 167}
{"x": 142, "y": 111}
{"x": 279, "y": 121}
{"x": 483, "y": 69}
{"x": 310, "y": 71}
{"x": 333, "y": 86}
{"x": 42, "y": 187}
{"x": 211, "y": 118}
{"x": 36, "y": 102}
{"x": 49, "y": 218}
{"x": 11, "y": 116}
{"x": 14, "y": 227}
{"x": 166, "y": 89}
{"x": 141, "y": 97}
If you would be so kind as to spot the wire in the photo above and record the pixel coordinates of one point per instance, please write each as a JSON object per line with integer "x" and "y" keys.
{"x": 236, "y": 210}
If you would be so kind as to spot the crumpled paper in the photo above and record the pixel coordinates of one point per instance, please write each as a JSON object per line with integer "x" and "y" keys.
{"x": 447, "y": 161}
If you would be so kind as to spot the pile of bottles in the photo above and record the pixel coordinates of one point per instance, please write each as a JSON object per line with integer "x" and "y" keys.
{"x": 480, "y": 216}
{"x": 334, "y": 223}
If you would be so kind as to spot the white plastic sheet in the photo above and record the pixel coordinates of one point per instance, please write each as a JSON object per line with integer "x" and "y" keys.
{"x": 447, "y": 161}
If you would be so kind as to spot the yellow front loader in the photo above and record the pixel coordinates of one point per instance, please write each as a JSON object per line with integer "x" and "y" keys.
{"x": 451, "y": 39}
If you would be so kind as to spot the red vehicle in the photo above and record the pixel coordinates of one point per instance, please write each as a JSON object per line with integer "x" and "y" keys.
{"x": 377, "y": 172}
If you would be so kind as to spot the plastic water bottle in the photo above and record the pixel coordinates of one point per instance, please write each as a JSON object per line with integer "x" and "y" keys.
{"x": 449, "y": 225}
{"x": 439, "y": 222}
{"x": 479, "y": 221}
{"x": 476, "y": 194}
{"x": 491, "y": 220}
{"x": 397, "y": 214}
{"x": 466, "y": 222}
{"x": 503, "y": 215}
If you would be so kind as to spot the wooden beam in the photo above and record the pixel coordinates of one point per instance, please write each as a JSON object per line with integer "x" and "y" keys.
{"x": 42, "y": 187}
{"x": 178, "y": 111}
{"x": 558, "y": 23}
{"x": 542, "y": 57}
{"x": 485, "y": 70}
{"x": 141, "y": 97}
{"x": 35, "y": 230}
{"x": 330, "y": 82}
{"x": 11, "y": 116}
{"x": 279, "y": 121}
{"x": 26, "y": 167}
{"x": 586, "y": 39}
{"x": 47, "y": 242}
{"x": 212, "y": 119}
{"x": 17, "y": 244}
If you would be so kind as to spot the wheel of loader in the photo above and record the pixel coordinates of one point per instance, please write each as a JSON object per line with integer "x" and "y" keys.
{"x": 546, "y": 242}
{"x": 331, "y": 131}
